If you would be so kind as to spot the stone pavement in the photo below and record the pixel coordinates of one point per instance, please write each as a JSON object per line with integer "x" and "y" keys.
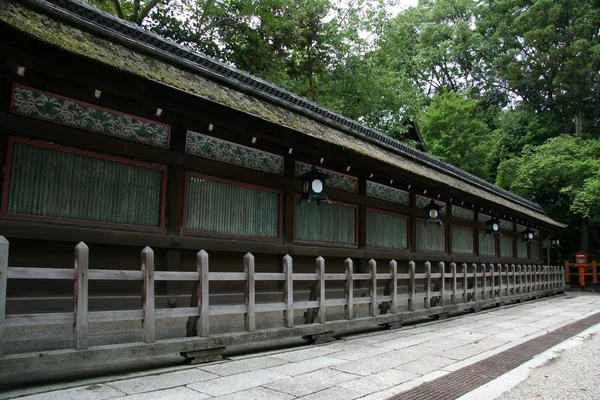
{"x": 376, "y": 365}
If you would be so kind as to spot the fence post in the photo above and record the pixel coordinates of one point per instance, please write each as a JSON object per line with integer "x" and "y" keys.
{"x": 493, "y": 280}
{"x": 203, "y": 328}
{"x": 475, "y": 283}
{"x": 81, "y": 296}
{"x": 3, "y": 284}
{"x": 250, "y": 294}
{"x": 427, "y": 285}
{"x": 500, "y": 287}
{"x": 148, "y": 325}
{"x": 373, "y": 269}
{"x": 349, "y": 288}
{"x": 394, "y": 285}
{"x": 507, "y": 280}
{"x": 453, "y": 268}
{"x": 513, "y": 269}
{"x": 442, "y": 268}
{"x": 288, "y": 291}
{"x": 567, "y": 273}
{"x": 465, "y": 283}
{"x": 520, "y": 279}
{"x": 411, "y": 300}
{"x": 320, "y": 264}
{"x": 485, "y": 287}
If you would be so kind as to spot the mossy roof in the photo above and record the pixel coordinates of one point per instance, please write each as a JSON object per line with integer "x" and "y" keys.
{"x": 75, "y": 40}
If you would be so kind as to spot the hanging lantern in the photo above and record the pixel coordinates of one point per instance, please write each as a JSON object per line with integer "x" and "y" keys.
{"x": 492, "y": 227}
{"x": 433, "y": 214}
{"x": 554, "y": 243}
{"x": 528, "y": 235}
{"x": 313, "y": 186}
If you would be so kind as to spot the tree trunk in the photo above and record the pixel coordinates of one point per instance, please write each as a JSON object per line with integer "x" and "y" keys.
{"x": 585, "y": 236}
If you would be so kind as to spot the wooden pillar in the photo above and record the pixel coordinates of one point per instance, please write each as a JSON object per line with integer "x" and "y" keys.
{"x": 594, "y": 272}
{"x": 203, "y": 328}
{"x": 80, "y": 329}
{"x": 250, "y": 294}
{"x": 373, "y": 270}
{"x": 349, "y": 289}
{"x": 453, "y": 268}
{"x": 288, "y": 291}
{"x": 321, "y": 288}
{"x": 148, "y": 325}
{"x": 3, "y": 284}
{"x": 394, "y": 286}
{"x": 567, "y": 272}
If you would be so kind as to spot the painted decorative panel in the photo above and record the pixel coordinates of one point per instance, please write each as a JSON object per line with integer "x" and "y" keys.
{"x": 387, "y": 230}
{"x": 423, "y": 202}
{"x": 228, "y": 208}
{"x": 487, "y": 244}
{"x": 462, "y": 241}
{"x": 521, "y": 249}
{"x": 506, "y": 246}
{"x": 335, "y": 180}
{"x": 200, "y": 145}
{"x": 483, "y": 218}
{"x": 521, "y": 228}
{"x": 463, "y": 213}
{"x": 504, "y": 224}
{"x": 327, "y": 223}
{"x": 431, "y": 237}
{"x": 534, "y": 250}
{"x": 387, "y": 193}
{"x": 58, "y": 183}
{"x": 64, "y": 111}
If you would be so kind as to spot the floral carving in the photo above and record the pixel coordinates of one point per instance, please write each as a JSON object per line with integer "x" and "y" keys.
{"x": 335, "y": 180}
{"x": 63, "y": 111}
{"x": 483, "y": 218}
{"x": 423, "y": 202}
{"x": 220, "y": 150}
{"x": 463, "y": 213}
{"x": 506, "y": 225}
{"x": 387, "y": 193}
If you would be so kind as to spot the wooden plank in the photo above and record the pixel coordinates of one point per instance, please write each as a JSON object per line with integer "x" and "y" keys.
{"x": 493, "y": 281}
{"x": 120, "y": 315}
{"x": 269, "y": 276}
{"x": 394, "y": 286}
{"x": 4, "y": 248}
{"x": 228, "y": 276}
{"x": 148, "y": 325}
{"x": 412, "y": 286}
{"x": 180, "y": 312}
{"x": 442, "y": 278}
{"x": 453, "y": 268}
{"x": 112, "y": 275}
{"x": 349, "y": 288}
{"x": 268, "y": 307}
{"x": 80, "y": 296}
{"x": 403, "y": 276}
{"x": 249, "y": 294}
{"x": 228, "y": 310}
{"x": 485, "y": 285}
{"x": 170, "y": 276}
{"x": 306, "y": 304}
{"x": 335, "y": 277}
{"x": 336, "y": 302}
{"x": 475, "y": 283}
{"x": 40, "y": 319}
{"x": 465, "y": 283}
{"x": 373, "y": 269}
{"x": 384, "y": 277}
{"x": 320, "y": 264}
{"x": 427, "y": 285}
{"x": 306, "y": 277}
{"x": 203, "y": 302}
{"x": 362, "y": 300}
{"x": 288, "y": 291}
{"x": 41, "y": 273}
{"x": 363, "y": 277}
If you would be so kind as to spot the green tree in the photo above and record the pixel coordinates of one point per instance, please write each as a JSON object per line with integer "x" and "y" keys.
{"x": 453, "y": 134}
{"x": 135, "y": 11}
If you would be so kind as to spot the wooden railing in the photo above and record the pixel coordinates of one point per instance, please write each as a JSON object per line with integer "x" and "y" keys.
{"x": 571, "y": 269}
{"x": 450, "y": 288}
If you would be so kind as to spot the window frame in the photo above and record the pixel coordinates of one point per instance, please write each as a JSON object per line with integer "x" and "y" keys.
{"x": 407, "y": 217}
{"x": 80, "y": 222}
{"x": 464, "y": 228}
{"x": 327, "y": 244}
{"x": 185, "y": 231}
{"x": 440, "y": 252}
{"x": 496, "y": 245}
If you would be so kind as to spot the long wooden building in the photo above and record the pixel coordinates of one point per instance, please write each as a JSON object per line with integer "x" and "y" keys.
{"x": 112, "y": 135}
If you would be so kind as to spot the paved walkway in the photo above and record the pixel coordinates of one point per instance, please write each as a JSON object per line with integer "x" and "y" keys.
{"x": 372, "y": 366}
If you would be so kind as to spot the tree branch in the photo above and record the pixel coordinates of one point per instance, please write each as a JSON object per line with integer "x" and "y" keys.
{"x": 146, "y": 10}
{"x": 118, "y": 9}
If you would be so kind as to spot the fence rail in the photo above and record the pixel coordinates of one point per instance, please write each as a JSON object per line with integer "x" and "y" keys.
{"x": 451, "y": 287}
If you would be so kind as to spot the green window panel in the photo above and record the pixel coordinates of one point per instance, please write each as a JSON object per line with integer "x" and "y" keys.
{"x": 506, "y": 246}
{"x": 462, "y": 241}
{"x": 387, "y": 230}
{"x": 534, "y": 250}
{"x": 431, "y": 237}
{"x": 52, "y": 182}
{"x": 326, "y": 223}
{"x": 487, "y": 244}
{"x": 521, "y": 249}
{"x": 228, "y": 208}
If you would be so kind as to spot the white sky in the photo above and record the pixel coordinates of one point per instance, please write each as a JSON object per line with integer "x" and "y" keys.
{"x": 403, "y": 4}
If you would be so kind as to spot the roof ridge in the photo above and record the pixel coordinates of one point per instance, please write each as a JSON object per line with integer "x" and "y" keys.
{"x": 78, "y": 12}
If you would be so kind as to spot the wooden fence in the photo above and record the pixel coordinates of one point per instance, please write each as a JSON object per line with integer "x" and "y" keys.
{"x": 450, "y": 288}
{"x": 571, "y": 269}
